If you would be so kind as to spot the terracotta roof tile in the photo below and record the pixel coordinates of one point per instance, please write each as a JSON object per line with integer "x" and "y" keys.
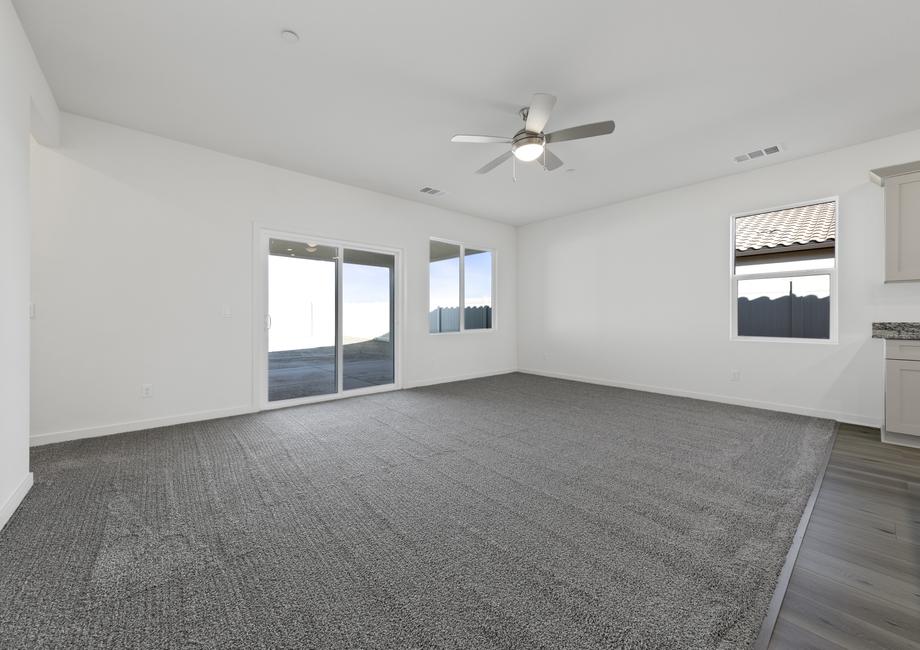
{"x": 802, "y": 225}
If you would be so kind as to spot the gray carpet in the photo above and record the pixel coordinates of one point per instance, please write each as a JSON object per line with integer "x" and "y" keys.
{"x": 509, "y": 512}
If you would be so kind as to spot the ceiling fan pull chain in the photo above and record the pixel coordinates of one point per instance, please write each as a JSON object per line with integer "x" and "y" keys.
{"x": 513, "y": 170}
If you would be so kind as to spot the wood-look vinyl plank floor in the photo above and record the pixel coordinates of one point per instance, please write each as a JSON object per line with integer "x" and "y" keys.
{"x": 856, "y": 581}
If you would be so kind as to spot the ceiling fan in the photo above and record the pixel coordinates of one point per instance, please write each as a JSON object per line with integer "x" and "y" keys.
{"x": 529, "y": 144}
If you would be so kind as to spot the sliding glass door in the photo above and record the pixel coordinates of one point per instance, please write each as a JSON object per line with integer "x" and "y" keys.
{"x": 331, "y": 320}
{"x": 367, "y": 319}
{"x": 302, "y": 357}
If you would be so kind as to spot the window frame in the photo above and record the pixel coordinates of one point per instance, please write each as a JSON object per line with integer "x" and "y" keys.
{"x": 462, "y": 287}
{"x": 734, "y": 278}
{"x": 262, "y": 233}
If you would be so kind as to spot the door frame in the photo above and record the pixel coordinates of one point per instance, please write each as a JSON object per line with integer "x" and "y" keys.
{"x": 261, "y": 236}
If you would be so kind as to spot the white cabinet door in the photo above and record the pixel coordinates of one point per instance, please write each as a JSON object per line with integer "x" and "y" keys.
{"x": 902, "y": 227}
{"x": 905, "y": 350}
{"x": 902, "y": 396}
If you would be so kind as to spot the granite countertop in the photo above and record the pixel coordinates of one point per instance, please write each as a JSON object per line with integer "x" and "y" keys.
{"x": 898, "y": 331}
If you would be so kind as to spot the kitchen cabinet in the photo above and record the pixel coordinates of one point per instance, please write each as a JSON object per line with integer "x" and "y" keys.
{"x": 902, "y": 393}
{"x": 902, "y": 220}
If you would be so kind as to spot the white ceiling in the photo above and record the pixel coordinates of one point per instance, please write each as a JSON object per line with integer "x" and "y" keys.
{"x": 374, "y": 90}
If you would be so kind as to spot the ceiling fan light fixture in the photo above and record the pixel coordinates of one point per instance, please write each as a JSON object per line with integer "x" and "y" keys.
{"x": 529, "y": 144}
{"x": 528, "y": 148}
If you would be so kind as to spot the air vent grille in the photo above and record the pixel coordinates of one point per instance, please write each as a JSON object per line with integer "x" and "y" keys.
{"x": 758, "y": 153}
{"x": 431, "y": 190}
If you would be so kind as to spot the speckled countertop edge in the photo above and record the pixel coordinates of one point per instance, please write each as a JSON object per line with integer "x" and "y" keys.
{"x": 897, "y": 331}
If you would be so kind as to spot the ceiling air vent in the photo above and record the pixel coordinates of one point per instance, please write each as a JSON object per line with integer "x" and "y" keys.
{"x": 758, "y": 153}
{"x": 432, "y": 191}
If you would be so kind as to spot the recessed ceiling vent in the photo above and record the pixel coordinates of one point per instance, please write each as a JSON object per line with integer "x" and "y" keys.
{"x": 431, "y": 190}
{"x": 758, "y": 153}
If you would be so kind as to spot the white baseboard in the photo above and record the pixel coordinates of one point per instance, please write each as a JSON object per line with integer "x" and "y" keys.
{"x": 902, "y": 439}
{"x": 848, "y": 418}
{"x": 447, "y": 380}
{"x": 136, "y": 425}
{"x": 139, "y": 425}
{"x": 10, "y": 505}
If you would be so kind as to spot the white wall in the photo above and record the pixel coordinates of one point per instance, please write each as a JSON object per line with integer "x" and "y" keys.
{"x": 25, "y": 103}
{"x": 637, "y": 294}
{"x": 140, "y": 241}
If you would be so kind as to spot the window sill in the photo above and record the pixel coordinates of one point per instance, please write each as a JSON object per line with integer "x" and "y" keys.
{"x": 781, "y": 339}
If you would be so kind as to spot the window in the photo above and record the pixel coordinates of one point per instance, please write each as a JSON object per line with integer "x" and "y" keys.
{"x": 459, "y": 287}
{"x": 783, "y": 273}
{"x": 477, "y": 289}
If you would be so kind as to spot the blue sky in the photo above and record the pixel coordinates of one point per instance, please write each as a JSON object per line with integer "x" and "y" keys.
{"x": 478, "y": 282}
{"x": 365, "y": 283}
{"x": 445, "y": 281}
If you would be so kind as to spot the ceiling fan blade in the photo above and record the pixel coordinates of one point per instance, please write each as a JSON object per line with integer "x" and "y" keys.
{"x": 489, "y": 166}
{"x": 583, "y": 131}
{"x": 538, "y": 114}
{"x": 551, "y": 161}
{"x": 480, "y": 139}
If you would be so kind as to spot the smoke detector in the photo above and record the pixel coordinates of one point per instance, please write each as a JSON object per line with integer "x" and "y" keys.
{"x": 290, "y": 36}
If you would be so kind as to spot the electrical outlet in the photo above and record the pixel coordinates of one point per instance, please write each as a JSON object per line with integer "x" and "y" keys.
{"x": 736, "y": 375}
{"x": 146, "y": 390}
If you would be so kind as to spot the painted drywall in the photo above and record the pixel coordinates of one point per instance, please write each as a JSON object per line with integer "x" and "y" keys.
{"x": 140, "y": 243}
{"x": 24, "y": 99}
{"x": 636, "y": 294}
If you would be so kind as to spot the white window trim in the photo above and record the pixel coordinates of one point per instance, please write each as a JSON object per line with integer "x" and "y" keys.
{"x": 832, "y": 272}
{"x": 462, "y": 303}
